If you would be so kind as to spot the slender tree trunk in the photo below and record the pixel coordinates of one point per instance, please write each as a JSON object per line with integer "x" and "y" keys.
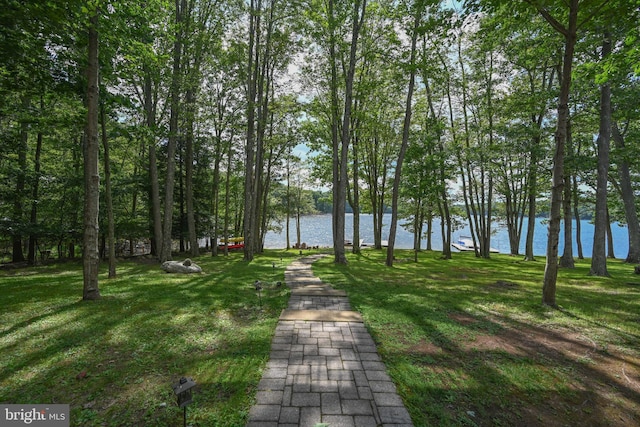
{"x": 191, "y": 217}
{"x": 566, "y": 260}
{"x": 227, "y": 198}
{"x": 17, "y": 253}
{"x": 31, "y": 257}
{"x": 340, "y": 185}
{"x": 335, "y": 143}
{"x": 488, "y": 203}
{"x": 628, "y": 198}
{"x": 599, "y": 257}
{"x": 75, "y": 199}
{"x": 215, "y": 208}
{"x": 150, "y": 122}
{"x": 90, "y": 255}
{"x": 134, "y": 194}
{"x": 356, "y": 197}
{"x": 466, "y": 175}
{"x": 557, "y": 178}
{"x": 167, "y": 227}
{"x": 610, "y": 251}
{"x": 288, "y": 202}
{"x": 532, "y": 190}
{"x": 576, "y": 216}
{"x": 405, "y": 139}
{"x": 182, "y": 213}
{"x": 298, "y": 230}
{"x": 250, "y": 147}
{"x": 108, "y": 197}
{"x": 443, "y": 201}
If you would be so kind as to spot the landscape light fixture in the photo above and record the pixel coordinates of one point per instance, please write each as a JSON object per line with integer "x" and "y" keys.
{"x": 258, "y": 287}
{"x": 182, "y": 390}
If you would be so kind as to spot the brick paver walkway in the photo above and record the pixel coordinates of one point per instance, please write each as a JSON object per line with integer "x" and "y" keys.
{"x": 323, "y": 370}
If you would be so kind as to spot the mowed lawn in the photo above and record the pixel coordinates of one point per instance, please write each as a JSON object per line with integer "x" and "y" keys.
{"x": 114, "y": 360}
{"x": 466, "y": 340}
{"x": 469, "y": 343}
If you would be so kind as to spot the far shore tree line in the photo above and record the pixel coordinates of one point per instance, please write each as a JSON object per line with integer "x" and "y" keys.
{"x": 173, "y": 121}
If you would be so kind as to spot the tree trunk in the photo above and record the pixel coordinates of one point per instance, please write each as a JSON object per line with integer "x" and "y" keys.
{"x": 288, "y": 202}
{"x": 108, "y": 197}
{"x": 75, "y": 199}
{"x": 191, "y": 216}
{"x": 227, "y": 198}
{"x": 31, "y": 257}
{"x": 557, "y": 177}
{"x": 250, "y": 147}
{"x": 466, "y": 174}
{"x": 154, "y": 196}
{"x": 610, "y": 251}
{"x": 599, "y": 256}
{"x": 405, "y": 139}
{"x": 443, "y": 201}
{"x": 167, "y": 240}
{"x": 532, "y": 190}
{"x": 566, "y": 260}
{"x": 215, "y": 208}
{"x": 355, "y": 204}
{"x": 576, "y": 216}
{"x": 628, "y": 198}
{"x": 181, "y": 214}
{"x": 341, "y": 152}
{"x": 90, "y": 255}
{"x": 17, "y": 253}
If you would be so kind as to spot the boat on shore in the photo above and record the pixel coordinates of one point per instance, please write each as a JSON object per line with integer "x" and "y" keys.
{"x": 465, "y": 244}
{"x": 232, "y": 243}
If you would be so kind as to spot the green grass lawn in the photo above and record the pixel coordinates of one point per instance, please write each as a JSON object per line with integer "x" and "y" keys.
{"x": 466, "y": 340}
{"x": 114, "y": 360}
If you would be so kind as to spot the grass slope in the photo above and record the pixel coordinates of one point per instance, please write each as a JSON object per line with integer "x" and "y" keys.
{"x": 468, "y": 341}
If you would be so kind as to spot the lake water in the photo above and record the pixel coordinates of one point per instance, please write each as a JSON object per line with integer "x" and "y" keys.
{"x": 316, "y": 230}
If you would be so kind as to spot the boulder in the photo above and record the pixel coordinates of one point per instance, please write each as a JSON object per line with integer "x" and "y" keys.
{"x": 186, "y": 266}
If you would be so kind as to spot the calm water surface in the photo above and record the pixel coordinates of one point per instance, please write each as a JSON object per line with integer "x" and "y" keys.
{"x": 316, "y": 230}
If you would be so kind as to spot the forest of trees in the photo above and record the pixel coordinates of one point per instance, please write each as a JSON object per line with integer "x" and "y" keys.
{"x": 173, "y": 121}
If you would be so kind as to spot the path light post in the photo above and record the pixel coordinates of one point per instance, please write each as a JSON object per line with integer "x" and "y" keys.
{"x": 182, "y": 390}
{"x": 258, "y": 287}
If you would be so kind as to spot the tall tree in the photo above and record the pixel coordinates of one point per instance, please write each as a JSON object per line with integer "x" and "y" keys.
{"x": 569, "y": 32}
{"x": 176, "y": 84}
{"x": 599, "y": 258}
{"x": 111, "y": 240}
{"x": 341, "y": 146}
{"x": 628, "y": 197}
{"x": 418, "y": 10}
{"x": 90, "y": 255}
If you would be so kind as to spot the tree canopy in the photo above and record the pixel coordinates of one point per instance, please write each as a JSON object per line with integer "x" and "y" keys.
{"x": 171, "y": 126}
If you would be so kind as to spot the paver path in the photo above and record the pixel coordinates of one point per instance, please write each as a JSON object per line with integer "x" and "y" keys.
{"x": 324, "y": 369}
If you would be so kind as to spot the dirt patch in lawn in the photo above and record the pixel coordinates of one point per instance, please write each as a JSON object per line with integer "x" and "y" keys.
{"x": 591, "y": 384}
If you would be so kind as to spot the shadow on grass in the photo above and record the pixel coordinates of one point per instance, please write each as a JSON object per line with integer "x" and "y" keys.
{"x": 468, "y": 342}
{"x": 114, "y": 360}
